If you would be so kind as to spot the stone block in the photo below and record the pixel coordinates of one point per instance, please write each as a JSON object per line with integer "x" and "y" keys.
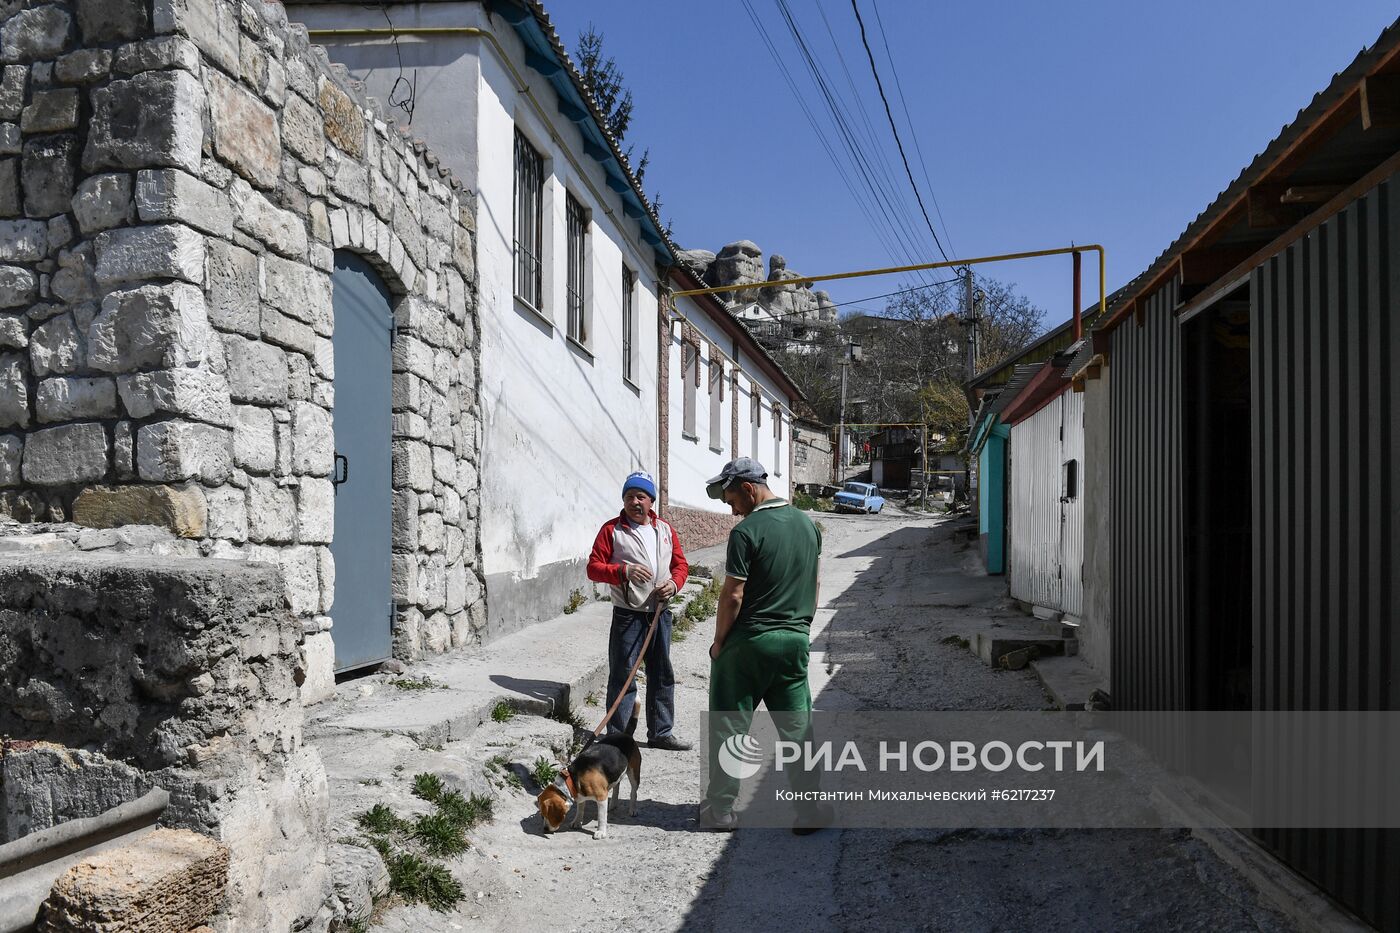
{"x": 180, "y": 509}
{"x": 13, "y": 81}
{"x": 318, "y": 661}
{"x": 35, "y": 34}
{"x": 72, "y": 453}
{"x": 23, "y": 240}
{"x": 254, "y": 439}
{"x": 102, "y": 21}
{"x": 300, "y": 578}
{"x": 139, "y": 254}
{"x": 154, "y": 326}
{"x": 48, "y": 173}
{"x": 14, "y": 391}
{"x": 283, "y": 231}
{"x": 152, "y": 119}
{"x": 313, "y": 440}
{"x": 170, "y": 194}
{"x": 412, "y": 466}
{"x": 10, "y": 204}
{"x": 124, "y": 450}
{"x": 170, "y": 879}
{"x": 272, "y": 512}
{"x": 102, "y": 202}
{"x": 232, "y": 282}
{"x": 50, "y": 111}
{"x": 245, "y": 131}
{"x": 74, "y": 398}
{"x": 302, "y": 130}
{"x": 432, "y": 581}
{"x": 430, "y": 532}
{"x": 181, "y": 450}
{"x": 315, "y": 511}
{"x": 75, "y": 282}
{"x": 83, "y": 66}
{"x": 18, "y": 286}
{"x": 56, "y": 347}
{"x": 11, "y": 450}
{"x": 343, "y": 119}
{"x": 156, "y": 55}
{"x": 257, "y": 371}
{"x": 228, "y": 513}
{"x": 300, "y": 291}
{"x": 286, "y": 331}
{"x": 193, "y": 392}
{"x": 212, "y": 25}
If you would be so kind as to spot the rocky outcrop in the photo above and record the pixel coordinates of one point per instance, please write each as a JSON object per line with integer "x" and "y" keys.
{"x": 741, "y": 263}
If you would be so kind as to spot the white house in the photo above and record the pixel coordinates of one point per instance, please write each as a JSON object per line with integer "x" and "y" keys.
{"x": 569, "y": 259}
{"x": 724, "y": 397}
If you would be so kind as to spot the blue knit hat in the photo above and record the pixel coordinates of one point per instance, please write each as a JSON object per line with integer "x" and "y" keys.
{"x": 642, "y": 481}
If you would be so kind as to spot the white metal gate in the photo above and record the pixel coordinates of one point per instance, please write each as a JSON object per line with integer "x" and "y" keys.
{"x": 1046, "y": 546}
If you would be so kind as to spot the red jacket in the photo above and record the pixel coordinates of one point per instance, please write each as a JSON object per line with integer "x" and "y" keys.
{"x": 618, "y": 543}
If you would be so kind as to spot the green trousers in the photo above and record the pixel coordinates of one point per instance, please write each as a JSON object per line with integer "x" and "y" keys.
{"x": 768, "y": 667}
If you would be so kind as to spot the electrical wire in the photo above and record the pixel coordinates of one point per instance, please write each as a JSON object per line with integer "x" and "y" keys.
{"x": 895, "y": 129}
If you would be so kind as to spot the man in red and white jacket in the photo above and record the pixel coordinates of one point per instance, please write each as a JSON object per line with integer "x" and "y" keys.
{"x": 641, "y": 557}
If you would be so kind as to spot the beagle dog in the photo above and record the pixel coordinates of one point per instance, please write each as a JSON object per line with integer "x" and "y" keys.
{"x": 597, "y": 770}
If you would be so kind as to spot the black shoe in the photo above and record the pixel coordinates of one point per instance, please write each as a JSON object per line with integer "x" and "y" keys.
{"x": 670, "y": 743}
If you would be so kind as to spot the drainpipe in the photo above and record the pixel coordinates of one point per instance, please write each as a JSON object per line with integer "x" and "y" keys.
{"x": 1078, "y": 318}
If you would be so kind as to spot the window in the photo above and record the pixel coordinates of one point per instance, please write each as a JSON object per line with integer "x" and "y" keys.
{"x": 577, "y": 279}
{"x": 690, "y": 381}
{"x": 1071, "y": 481}
{"x": 529, "y": 224}
{"x": 629, "y": 316}
{"x": 777, "y": 440}
{"x": 716, "y": 400}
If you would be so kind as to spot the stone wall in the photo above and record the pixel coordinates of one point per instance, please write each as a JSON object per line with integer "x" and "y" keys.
{"x": 120, "y": 672}
{"x": 698, "y": 528}
{"x": 178, "y": 176}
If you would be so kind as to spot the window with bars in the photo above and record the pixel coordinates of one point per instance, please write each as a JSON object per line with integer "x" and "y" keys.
{"x": 576, "y": 282}
{"x": 629, "y": 323}
{"x": 529, "y": 224}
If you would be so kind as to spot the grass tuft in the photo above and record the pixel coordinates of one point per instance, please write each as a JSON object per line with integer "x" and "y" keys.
{"x": 380, "y": 819}
{"x": 502, "y": 711}
{"x": 439, "y": 834}
{"x": 575, "y": 603}
{"x": 465, "y": 812}
{"x": 417, "y": 683}
{"x": 418, "y": 880}
{"x": 544, "y": 772}
{"x": 427, "y": 786}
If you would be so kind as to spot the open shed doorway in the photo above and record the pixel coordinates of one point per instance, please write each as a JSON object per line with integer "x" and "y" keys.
{"x": 1217, "y": 513}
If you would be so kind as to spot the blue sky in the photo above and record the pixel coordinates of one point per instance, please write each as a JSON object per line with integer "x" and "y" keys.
{"x": 1039, "y": 123}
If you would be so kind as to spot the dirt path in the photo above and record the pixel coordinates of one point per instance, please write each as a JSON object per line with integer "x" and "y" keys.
{"x": 893, "y": 586}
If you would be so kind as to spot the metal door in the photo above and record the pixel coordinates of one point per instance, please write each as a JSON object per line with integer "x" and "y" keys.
{"x": 1034, "y": 552}
{"x": 363, "y": 608}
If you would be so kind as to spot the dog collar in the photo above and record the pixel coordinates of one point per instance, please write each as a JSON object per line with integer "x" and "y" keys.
{"x": 565, "y": 782}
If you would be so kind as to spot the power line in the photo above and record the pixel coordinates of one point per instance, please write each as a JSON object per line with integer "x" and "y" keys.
{"x": 842, "y": 304}
{"x": 895, "y": 129}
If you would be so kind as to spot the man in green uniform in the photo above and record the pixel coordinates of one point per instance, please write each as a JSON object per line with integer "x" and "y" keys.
{"x": 762, "y": 634}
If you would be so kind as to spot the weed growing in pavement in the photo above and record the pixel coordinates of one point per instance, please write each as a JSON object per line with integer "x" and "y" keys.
{"x": 513, "y": 780}
{"x": 591, "y": 700}
{"x": 380, "y": 819}
{"x": 417, "y": 683}
{"x": 439, "y": 834}
{"x": 502, "y": 711}
{"x": 497, "y": 763}
{"x": 564, "y": 712}
{"x": 544, "y": 772}
{"x": 576, "y": 601}
{"x": 417, "y": 880}
{"x": 957, "y": 640}
{"x": 371, "y": 782}
{"x": 465, "y": 811}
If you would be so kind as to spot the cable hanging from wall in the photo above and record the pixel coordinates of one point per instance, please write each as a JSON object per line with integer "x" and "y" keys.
{"x": 403, "y": 94}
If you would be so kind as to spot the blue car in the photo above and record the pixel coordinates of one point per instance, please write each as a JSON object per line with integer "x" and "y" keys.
{"x": 859, "y": 497}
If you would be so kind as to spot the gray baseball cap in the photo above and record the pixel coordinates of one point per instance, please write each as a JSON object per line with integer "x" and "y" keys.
{"x": 742, "y": 470}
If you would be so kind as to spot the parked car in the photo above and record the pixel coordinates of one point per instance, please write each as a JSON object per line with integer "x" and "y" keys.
{"x": 859, "y": 497}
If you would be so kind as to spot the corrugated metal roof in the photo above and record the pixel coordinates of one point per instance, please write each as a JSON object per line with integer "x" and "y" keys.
{"x": 1081, "y": 353}
{"x": 1342, "y": 84}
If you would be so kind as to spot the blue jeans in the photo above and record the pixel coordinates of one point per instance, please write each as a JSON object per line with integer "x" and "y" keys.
{"x": 629, "y": 627}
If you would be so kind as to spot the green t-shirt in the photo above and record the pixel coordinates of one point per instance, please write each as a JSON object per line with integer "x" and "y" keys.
{"x": 774, "y": 550}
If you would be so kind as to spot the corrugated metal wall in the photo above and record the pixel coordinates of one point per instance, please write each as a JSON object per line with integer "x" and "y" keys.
{"x": 1035, "y": 508}
{"x": 1072, "y": 528}
{"x": 1325, "y": 351}
{"x": 1148, "y": 657}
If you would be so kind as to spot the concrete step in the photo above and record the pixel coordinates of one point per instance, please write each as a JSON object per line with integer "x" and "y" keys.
{"x": 991, "y": 648}
{"x": 1069, "y": 680}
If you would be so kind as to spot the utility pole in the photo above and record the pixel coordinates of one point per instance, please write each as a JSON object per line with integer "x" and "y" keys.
{"x": 970, "y": 322}
{"x": 849, "y": 354}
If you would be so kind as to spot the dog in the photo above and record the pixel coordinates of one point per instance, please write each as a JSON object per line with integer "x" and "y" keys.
{"x": 596, "y": 770}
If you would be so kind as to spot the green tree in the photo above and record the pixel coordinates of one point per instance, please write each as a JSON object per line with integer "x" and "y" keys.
{"x": 609, "y": 89}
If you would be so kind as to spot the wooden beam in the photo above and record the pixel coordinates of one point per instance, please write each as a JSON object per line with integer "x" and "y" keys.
{"x": 1380, "y": 101}
{"x": 1267, "y": 210}
{"x": 1310, "y": 194}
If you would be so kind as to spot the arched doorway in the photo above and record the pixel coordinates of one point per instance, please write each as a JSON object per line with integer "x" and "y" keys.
{"x": 363, "y": 607}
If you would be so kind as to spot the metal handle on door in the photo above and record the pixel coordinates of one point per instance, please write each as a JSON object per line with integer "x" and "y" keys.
{"x": 341, "y": 473}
